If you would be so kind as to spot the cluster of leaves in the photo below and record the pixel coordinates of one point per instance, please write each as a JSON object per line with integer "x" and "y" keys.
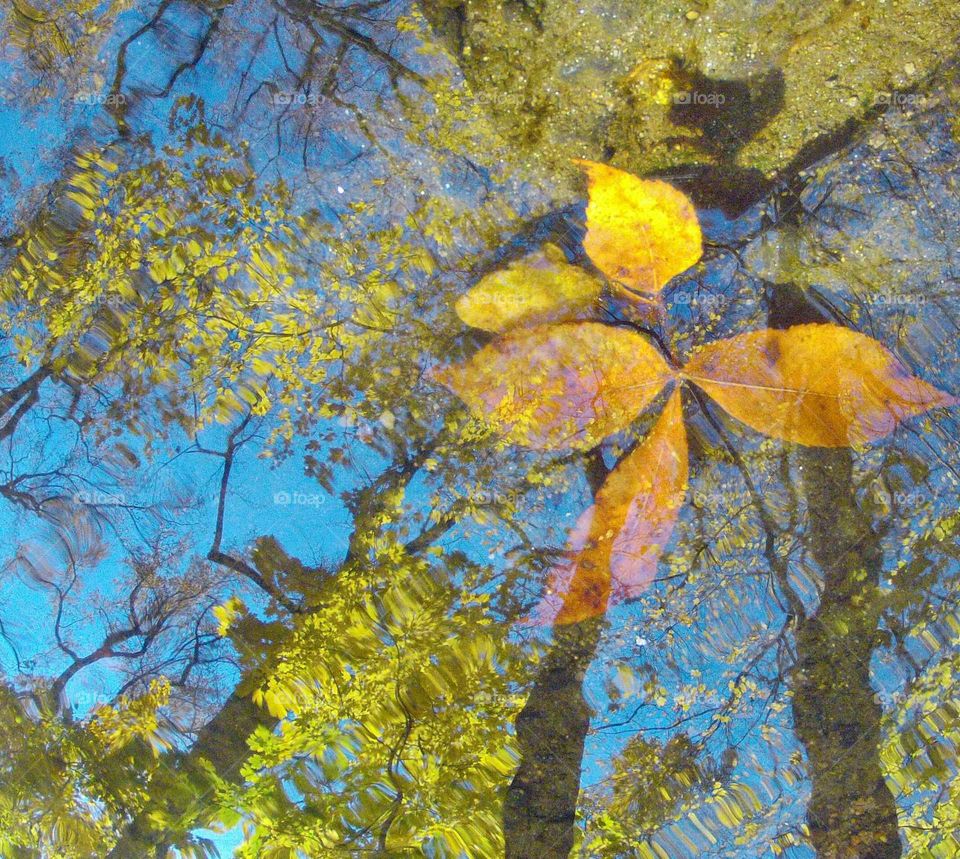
{"x": 921, "y": 730}
{"x": 61, "y": 41}
{"x": 182, "y": 275}
{"x": 115, "y": 725}
{"x": 171, "y": 270}
{"x": 65, "y": 787}
{"x": 393, "y": 694}
{"x": 553, "y": 380}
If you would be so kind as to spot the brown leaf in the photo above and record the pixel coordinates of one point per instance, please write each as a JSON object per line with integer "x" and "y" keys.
{"x": 560, "y": 386}
{"x": 640, "y": 232}
{"x": 617, "y": 542}
{"x": 818, "y": 384}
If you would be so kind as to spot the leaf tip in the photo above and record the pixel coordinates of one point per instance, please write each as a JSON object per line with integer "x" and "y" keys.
{"x": 442, "y": 374}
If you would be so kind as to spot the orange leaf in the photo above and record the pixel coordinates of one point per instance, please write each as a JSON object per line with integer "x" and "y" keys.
{"x": 617, "y": 542}
{"x": 819, "y": 385}
{"x": 560, "y": 386}
{"x": 640, "y": 232}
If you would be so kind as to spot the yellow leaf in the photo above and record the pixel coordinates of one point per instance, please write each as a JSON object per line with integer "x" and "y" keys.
{"x": 560, "y": 386}
{"x": 640, "y": 232}
{"x": 819, "y": 385}
{"x": 227, "y": 613}
{"x": 541, "y": 287}
{"x": 616, "y": 544}
{"x": 274, "y": 705}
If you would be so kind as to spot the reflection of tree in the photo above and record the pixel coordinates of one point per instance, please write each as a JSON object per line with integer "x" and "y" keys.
{"x": 851, "y": 811}
{"x": 359, "y": 703}
{"x": 139, "y": 256}
{"x": 540, "y": 812}
{"x": 329, "y": 628}
{"x": 539, "y": 815}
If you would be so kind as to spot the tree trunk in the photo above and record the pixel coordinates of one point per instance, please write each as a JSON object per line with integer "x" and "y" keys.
{"x": 539, "y": 816}
{"x": 222, "y": 742}
{"x": 852, "y": 813}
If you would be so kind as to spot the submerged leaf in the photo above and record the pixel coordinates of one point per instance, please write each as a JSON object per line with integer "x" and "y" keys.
{"x": 541, "y": 287}
{"x": 818, "y": 384}
{"x": 560, "y": 386}
{"x": 640, "y": 232}
{"x": 617, "y": 542}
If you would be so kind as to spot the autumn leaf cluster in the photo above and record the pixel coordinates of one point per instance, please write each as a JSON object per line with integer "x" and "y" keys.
{"x": 557, "y": 379}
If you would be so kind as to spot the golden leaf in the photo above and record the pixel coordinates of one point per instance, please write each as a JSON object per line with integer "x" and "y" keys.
{"x": 560, "y": 386}
{"x": 818, "y": 384}
{"x": 616, "y": 544}
{"x": 640, "y": 232}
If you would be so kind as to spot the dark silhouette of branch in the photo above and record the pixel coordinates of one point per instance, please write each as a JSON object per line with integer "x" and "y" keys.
{"x": 27, "y": 387}
{"x": 305, "y": 11}
{"x": 216, "y": 554}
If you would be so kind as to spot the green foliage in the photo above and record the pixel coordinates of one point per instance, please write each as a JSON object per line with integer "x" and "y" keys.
{"x": 392, "y": 697}
{"x": 167, "y": 270}
{"x": 65, "y": 788}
